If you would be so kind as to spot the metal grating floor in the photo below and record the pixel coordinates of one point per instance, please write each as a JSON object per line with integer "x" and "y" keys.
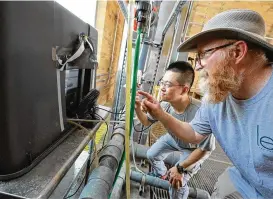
{"x": 211, "y": 169}
{"x": 157, "y": 193}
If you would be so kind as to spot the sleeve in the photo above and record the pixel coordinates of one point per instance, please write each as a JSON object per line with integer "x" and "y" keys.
{"x": 200, "y": 122}
{"x": 208, "y": 144}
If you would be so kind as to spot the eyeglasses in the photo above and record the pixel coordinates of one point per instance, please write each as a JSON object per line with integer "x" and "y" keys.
{"x": 167, "y": 84}
{"x": 207, "y": 53}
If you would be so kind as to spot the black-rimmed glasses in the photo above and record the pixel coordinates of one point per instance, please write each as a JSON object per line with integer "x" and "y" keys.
{"x": 167, "y": 84}
{"x": 207, "y": 53}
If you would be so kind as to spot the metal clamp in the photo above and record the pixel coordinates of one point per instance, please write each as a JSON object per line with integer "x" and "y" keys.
{"x": 142, "y": 185}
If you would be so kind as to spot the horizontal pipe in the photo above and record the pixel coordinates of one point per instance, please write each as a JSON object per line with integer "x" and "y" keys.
{"x": 149, "y": 180}
{"x": 141, "y": 152}
{"x": 61, "y": 173}
{"x": 164, "y": 184}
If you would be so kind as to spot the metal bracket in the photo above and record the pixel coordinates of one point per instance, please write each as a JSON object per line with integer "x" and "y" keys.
{"x": 142, "y": 163}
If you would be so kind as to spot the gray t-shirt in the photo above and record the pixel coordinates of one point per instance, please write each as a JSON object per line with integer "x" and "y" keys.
{"x": 244, "y": 129}
{"x": 208, "y": 144}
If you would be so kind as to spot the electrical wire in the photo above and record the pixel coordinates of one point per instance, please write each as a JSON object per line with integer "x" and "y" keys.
{"x": 142, "y": 129}
{"x": 76, "y": 189}
{"x": 66, "y": 197}
{"x": 133, "y": 121}
{"x": 95, "y": 151}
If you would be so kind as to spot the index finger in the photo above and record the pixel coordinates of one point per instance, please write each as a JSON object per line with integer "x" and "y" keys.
{"x": 147, "y": 95}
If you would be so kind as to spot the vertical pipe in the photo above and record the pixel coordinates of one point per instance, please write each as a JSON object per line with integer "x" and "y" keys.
{"x": 143, "y": 56}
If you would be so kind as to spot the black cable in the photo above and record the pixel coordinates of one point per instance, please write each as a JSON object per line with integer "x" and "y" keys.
{"x": 76, "y": 190}
{"x": 142, "y": 129}
{"x": 133, "y": 121}
{"x": 141, "y": 134}
{"x": 66, "y": 197}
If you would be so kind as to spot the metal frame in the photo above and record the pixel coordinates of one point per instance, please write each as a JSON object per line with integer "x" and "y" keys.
{"x": 181, "y": 28}
{"x": 117, "y": 102}
{"x": 177, "y": 8}
{"x": 123, "y": 8}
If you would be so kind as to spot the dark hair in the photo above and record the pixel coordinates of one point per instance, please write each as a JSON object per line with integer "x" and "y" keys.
{"x": 186, "y": 72}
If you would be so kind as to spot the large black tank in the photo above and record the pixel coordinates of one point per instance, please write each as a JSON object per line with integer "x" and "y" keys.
{"x": 29, "y": 111}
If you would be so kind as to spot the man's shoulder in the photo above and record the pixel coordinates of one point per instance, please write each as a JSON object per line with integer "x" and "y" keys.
{"x": 195, "y": 103}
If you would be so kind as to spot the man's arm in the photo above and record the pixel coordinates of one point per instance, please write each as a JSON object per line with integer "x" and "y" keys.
{"x": 182, "y": 130}
{"x": 143, "y": 118}
{"x": 176, "y": 177}
{"x": 194, "y": 157}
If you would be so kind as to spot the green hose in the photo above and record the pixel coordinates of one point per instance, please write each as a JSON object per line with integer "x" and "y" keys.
{"x": 134, "y": 78}
{"x": 133, "y": 96}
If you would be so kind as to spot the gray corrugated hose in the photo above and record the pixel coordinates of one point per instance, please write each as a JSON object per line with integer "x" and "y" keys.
{"x": 101, "y": 179}
{"x": 117, "y": 189}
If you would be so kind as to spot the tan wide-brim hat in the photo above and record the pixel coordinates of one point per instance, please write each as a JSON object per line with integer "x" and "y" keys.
{"x": 239, "y": 24}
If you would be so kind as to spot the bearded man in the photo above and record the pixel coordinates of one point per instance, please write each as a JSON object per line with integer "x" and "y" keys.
{"x": 236, "y": 77}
